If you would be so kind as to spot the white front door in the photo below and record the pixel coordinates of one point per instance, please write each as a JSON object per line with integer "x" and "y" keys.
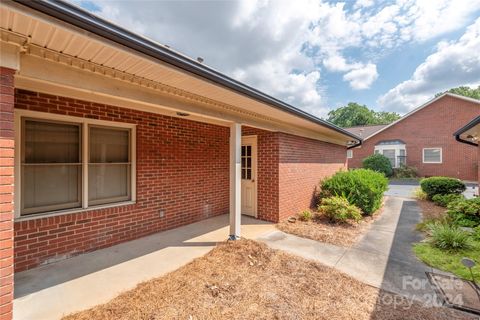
{"x": 249, "y": 175}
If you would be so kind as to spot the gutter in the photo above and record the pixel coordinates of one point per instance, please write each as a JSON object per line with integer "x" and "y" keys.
{"x": 457, "y": 137}
{"x": 359, "y": 143}
{"x": 83, "y": 19}
{"x": 465, "y": 128}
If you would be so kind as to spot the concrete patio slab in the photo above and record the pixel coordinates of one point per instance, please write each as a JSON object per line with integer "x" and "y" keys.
{"x": 75, "y": 284}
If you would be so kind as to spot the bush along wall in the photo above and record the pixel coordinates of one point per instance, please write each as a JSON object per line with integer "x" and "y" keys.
{"x": 361, "y": 187}
{"x": 379, "y": 163}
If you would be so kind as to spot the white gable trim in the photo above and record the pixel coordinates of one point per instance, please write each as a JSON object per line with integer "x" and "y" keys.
{"x": 422, "y": 107}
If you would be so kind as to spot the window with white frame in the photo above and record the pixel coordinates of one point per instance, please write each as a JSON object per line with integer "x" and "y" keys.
{"x": 350, "y": 154}
{"x": 70, "y": 165}
{"x": 394, "y": 150}
{"x": 432, "y": 155}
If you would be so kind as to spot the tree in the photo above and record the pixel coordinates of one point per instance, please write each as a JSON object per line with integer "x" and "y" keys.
{"x": 354, "y": 114}
{"x": 464, "y": 91}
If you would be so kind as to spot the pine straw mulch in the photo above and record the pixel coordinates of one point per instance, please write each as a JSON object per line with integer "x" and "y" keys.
{"x": 247, "y": 280}
{"x": 430, "y": 210}
{"x": 322, "y": 229}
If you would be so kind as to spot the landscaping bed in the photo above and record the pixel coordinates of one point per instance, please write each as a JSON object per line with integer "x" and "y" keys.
{"x": 349, "y": 202}
{"x": 321, "y": 228}
{"x": 451, "y": 224}
{"x": 430, "y": 210}
{"x": 247, "y": 280}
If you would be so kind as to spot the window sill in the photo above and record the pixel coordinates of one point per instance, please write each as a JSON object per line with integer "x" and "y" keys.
{"x": 70, "y": 211}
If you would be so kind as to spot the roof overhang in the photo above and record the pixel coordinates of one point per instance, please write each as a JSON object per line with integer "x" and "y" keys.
{"x": 62, "y": 48}
{"x": 470, "y": 133}
{"x": 422, "y": 107}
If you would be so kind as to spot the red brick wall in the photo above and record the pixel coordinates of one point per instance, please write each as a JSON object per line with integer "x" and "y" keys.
{"x": 6, "y": 192}
{"x": 432, "y": 126}
{"x": 303, "y": 163}
{"x": 182, "y": 168}
{"x": 289, "y": 171}
{"x": 267, "y": 173}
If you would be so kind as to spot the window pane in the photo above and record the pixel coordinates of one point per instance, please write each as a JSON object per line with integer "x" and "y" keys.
{"x": 390, "y": 154}
{"x": 49, "y": 142}
{"x": 108, "y": 183}
{"x": 431, "y": 155}
{"x": 50, "y": 187}
{"x": 249, "y": 151}
{"x": 108, "y": 145}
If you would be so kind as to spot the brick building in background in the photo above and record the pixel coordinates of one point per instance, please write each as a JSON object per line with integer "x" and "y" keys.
{"x": 424, "y": 139}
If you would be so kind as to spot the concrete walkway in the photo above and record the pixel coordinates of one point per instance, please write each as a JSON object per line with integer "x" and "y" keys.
{"x": 75, "y": 284}
{"x": 382, "y": 258}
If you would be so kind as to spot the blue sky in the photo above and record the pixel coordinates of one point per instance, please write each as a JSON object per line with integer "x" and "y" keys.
{"x": 319, "y": 55}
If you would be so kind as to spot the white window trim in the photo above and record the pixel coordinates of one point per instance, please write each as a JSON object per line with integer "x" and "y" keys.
{"x": 396, "y": 147}
{"x": 432, "y": 162}
{"x": 84, "y": 122}
{"x": 349, "y": 154}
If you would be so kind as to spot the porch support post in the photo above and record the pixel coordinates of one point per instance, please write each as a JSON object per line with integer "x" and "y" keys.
{"x": 235, "y": 180}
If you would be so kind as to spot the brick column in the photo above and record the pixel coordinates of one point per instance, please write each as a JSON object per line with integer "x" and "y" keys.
{"x": 6, "y": 191}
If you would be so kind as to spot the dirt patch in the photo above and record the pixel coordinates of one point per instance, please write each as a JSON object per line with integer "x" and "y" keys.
{"x": 247, "y": 280}
{"x": 320, "y": 228}
{"x": 430, "y": 210}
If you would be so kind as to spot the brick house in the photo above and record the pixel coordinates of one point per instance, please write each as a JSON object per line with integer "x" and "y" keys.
{"x": 106, "y": 136}
{"x": 424, "y": 139}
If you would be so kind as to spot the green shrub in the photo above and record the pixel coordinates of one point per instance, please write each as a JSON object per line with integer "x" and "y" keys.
{"x": 379, "y": 163}
{"x": 448, "y": 237}
{"x": 465, "y": 213}
{"x": 361, "y": 187}
{"x": 338, "y": 209}
{"x": 441, "y": 185}
{"x": 419, "y": 194}
{"x": 405, "y": 172}
{"x": 444, "y": 200}
{"x": 476, "y": 233}
{"x": 306, "y": 215}
{"x": 425, "y": 224}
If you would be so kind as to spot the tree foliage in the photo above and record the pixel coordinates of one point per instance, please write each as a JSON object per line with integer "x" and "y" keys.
{"x": 355, "y": 114}
{"x": 464, "y": 91}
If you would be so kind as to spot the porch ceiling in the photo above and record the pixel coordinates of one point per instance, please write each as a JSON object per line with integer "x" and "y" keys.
{"x": 470, "y": 133}
{"x": 42, "y": 35}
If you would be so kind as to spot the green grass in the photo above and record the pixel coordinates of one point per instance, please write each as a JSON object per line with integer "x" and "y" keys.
{"x": 450, "y": 260}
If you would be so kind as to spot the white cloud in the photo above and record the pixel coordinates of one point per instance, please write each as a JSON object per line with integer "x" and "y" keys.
{"x": 284, "y": 47}
{"x": 453, "y": 64}
{"x": 362, "y": 78}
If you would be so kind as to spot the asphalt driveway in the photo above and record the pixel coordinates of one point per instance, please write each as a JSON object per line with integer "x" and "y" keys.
{"x": 405, "y": 188}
